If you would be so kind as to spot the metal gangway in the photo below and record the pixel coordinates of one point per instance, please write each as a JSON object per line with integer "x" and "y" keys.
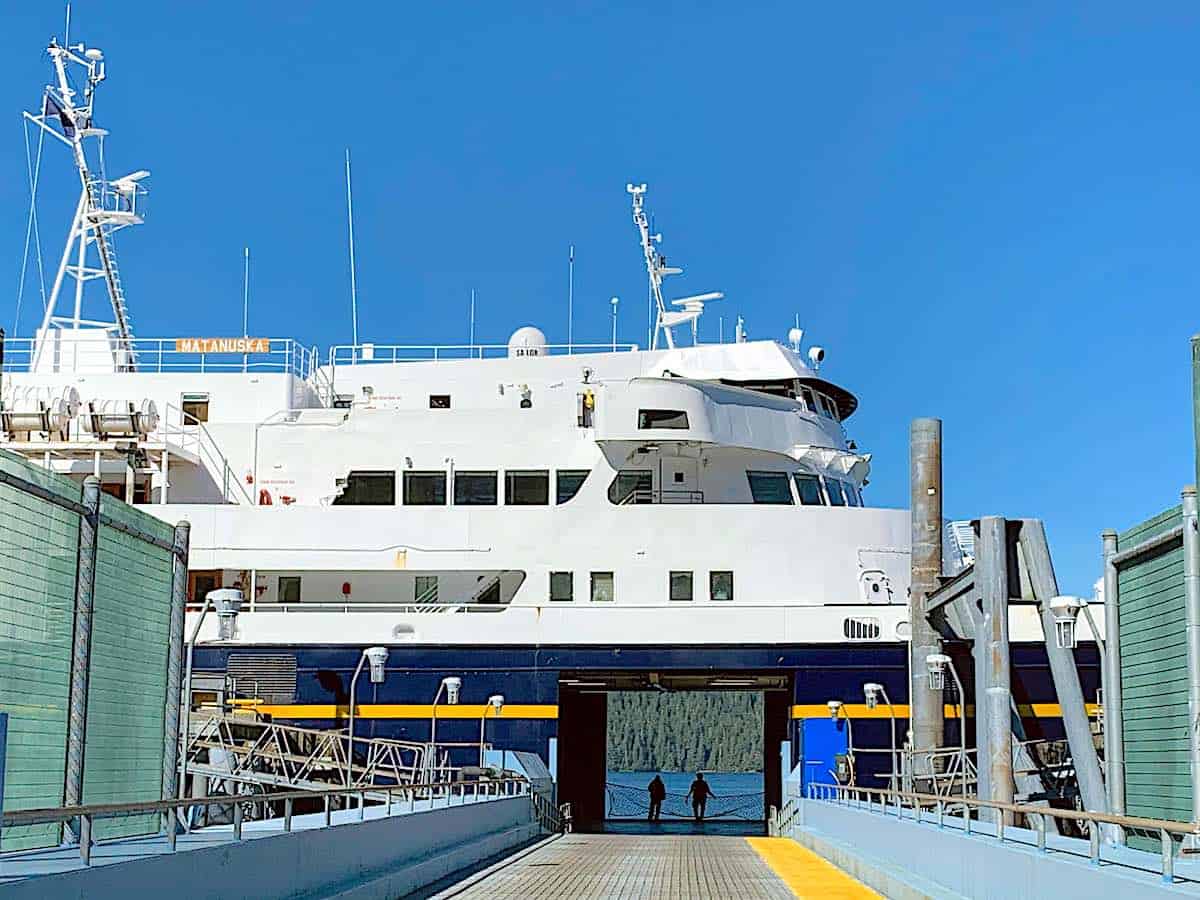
{"x": 246, "y": 749}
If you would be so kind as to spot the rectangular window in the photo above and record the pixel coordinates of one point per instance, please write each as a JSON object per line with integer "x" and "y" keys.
{"x": 439, "y": 401}
{"x": 562, "y": 586}
{"x": 424, "y": 488}
{"x": 631, "y": 486}
{"x": 809, "y": 489}
{"x": 426, "y": 589}
{"x": 770, "y": 487}
{"x": 851, "y": 493}
{"x": 829, "y": 407}
{"x": 475, "y": 489}
{"x": 720, "y": 585}
{"x": 662, "y": 418}
{"x": 526, "y": 488}
{"x": 681, "y": 585}
{"x": 195, "y": 408}
{"x": 289, "y": 588}
{"x": 834, "y": 488}
{"x": 368, "y": 489}
{"x": 602, "y": 587}
{"x": 569, "y": 483}
{"x": 809, "y": 400}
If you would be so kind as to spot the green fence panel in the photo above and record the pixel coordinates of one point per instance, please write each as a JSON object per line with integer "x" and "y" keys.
{"x": 38, "y": 554}
{"x": 1154, "y": 679}
{"x": 127, "y": 695}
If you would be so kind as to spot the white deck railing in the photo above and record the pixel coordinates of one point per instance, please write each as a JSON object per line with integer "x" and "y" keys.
{"x": 354, "y": 354}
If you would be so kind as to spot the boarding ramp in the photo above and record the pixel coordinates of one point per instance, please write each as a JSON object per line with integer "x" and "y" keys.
{"x": 915, "y": 844}
{"x": 413, "y": 837}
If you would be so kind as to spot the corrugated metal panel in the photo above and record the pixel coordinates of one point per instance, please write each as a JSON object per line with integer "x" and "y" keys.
{"x": 38, "y": 550}
{"x": 126, "y": 701}
{"x": 1154, "y": 678}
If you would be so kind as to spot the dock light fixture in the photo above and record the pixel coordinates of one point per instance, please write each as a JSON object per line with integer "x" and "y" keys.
{"x": 496, "y": 704}
{"x": 935, "y": 664}
{"x": 376, "y": 658}
{"x": 1065, "y": 611}
{"x": 938, "y": 664}
{"x": 450, "y": 686}
{"x": 873, "y": 691}
{"x": 836, "y": 709}
{"x": 228, "y": 603}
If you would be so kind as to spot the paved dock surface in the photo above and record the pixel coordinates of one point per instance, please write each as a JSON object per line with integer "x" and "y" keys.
{"x": 631, "y": 867}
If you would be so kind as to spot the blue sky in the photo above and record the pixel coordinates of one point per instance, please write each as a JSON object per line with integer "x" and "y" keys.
{"x": 985, "y": 217}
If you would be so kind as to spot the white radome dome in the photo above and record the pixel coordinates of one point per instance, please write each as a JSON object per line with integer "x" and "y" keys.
{"x": 527, "y": 341}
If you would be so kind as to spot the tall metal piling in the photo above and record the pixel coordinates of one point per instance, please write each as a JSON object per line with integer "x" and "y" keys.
{"x": 1114, "y": 716}
{"x": 1191, "y": 586}
{"x": 925, "y": 466}
{"x": 993, "y": 696}
{"x": 1036, "y": 553}
{"x": 171, "y": 745}
{"x": 85, "y": 593}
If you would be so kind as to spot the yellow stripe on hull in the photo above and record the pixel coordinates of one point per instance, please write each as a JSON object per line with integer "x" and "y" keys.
{"x": 950, "y": 711}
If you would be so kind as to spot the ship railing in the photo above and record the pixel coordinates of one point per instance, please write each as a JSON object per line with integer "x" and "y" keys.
{"x": 184, "y": 430}
{"x": 938, "y": 811}
{"x": 646, "y": 495}
{"x": 355, "y": 354}
{"x": 395, "y": 800}
{"x": 158, "y": 355}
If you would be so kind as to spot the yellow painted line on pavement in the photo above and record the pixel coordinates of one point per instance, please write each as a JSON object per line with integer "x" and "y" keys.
{"x": 805, "y": 873}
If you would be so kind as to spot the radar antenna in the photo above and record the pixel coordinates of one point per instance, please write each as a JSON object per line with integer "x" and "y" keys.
{"x": 104, "y": 207}
{"x": 690, "y": 308}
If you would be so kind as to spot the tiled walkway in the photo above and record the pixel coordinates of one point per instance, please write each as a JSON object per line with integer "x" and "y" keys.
{"x": 642, "y": 866}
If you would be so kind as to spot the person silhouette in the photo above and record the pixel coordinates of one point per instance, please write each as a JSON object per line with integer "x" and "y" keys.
{"x": 658, "y": 793}
{"x": 699, "y": 793}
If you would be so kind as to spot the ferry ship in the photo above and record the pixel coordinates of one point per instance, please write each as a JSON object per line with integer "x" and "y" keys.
{"x": 544, "y": 522}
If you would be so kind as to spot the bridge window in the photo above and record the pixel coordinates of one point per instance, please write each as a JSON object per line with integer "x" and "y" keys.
{"x": 562, "y": 587}
{"x": 631, "y": 486}
{"x": 809, "y": 489}
{"x": 490, "y": 594}
{"x": 439, "y": 401}
{"x": 426, "y": 589}
{"x": 289, "y": 588}
{"x": 569, "y": 483}
{"x": 424, "y": 488}
{"x": 851, "y": 494}
{"x": 809, "y": 399}
{"x": 602, "y": 587}
{"x": 368, "y": 489}
{"x": 770, "y": 487}
{"x": 834, "y": 488}
{"x": 720, "y": 586}
{"x": 681, "y": 585}
{"x": 475, "y": 489}
{"x": 526, "y": 488}
{"x": 662, "y": 418}
{"x": 828, "y": 407}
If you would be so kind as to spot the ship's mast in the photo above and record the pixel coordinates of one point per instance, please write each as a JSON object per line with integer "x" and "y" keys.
{"x": 104, "y": 207}
{"x": 657, "y": 269}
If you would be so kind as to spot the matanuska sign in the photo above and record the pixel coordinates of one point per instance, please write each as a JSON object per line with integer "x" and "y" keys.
{"x": 223, "y": 345}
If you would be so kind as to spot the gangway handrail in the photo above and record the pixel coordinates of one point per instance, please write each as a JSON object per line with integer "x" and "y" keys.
{"x": 853, "y": 794}
{"x": 509, "y": 786}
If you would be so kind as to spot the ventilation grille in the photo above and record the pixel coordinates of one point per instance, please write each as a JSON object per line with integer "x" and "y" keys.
{"x": 267, "y": 677}
{"x": 861, "y": 628}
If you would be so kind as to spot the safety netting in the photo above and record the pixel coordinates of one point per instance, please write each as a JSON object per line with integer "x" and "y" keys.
{"x": 624, "y": 802}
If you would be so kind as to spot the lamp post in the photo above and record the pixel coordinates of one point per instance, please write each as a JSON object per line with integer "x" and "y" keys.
{"x": 937, "y": 664}
{"x": 451, "y": 685}
{"x": 873, "y": 692}
{"x": 1065, "y": 610}
{"x": 495, "y": 703}
{"x": 836, "y": 708}
{"x": 377, "y": 657}
{"x": 614, "y": 301}
{"x": 228, "y": 603}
